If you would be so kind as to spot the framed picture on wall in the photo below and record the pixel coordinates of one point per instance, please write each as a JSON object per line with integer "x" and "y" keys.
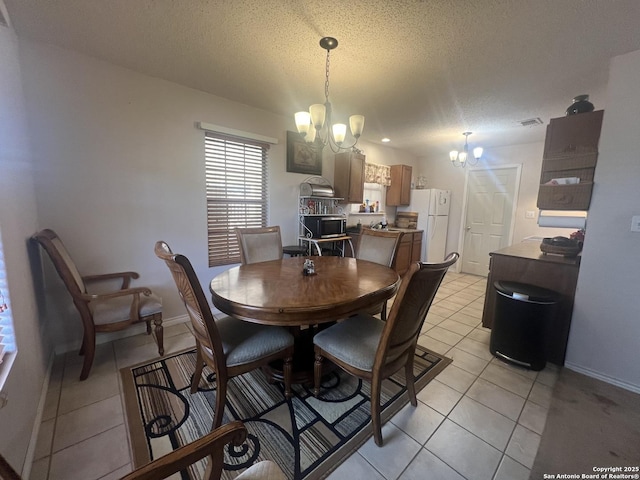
{"x": 303, "y": 157}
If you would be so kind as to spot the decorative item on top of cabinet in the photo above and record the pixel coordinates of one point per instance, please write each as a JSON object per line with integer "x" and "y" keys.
{"x": 569, "y": 161}
{"x": 399, "y": 192}
{"x": 348, "y": 176}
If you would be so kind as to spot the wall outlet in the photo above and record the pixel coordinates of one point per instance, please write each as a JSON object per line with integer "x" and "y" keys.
{"x": 530, "y": 214}
{"x": 635, "y": 223}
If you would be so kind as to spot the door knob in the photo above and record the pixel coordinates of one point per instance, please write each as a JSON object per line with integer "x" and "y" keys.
{"x": 467, "y": 228}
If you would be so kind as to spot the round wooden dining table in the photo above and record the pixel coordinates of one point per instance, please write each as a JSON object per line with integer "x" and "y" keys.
{"x": 277, "y": 293}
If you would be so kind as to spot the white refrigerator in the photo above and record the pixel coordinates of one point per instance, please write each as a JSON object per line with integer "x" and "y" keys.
{"x": 432, "y": 206}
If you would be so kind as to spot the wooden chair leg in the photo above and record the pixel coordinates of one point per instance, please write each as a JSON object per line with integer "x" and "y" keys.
{"x": 375, "y": 411}
{"x": 221, "y": 395}
{"x": 288, "y": 369}
{"x": 411, "y": 385}
{"x": 383, "y": 313}
{"x": 159, "y": 334}
{"x": 81, "y": 352}
{"x": 197, "y": 373}
{"x": 317, "y": 374}
{"x": 88, "y": 349}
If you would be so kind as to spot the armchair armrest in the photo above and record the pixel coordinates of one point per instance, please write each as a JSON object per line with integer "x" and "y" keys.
{"x": 118, "y": 293}
{"x": 134, "y": 309}
{"x": 211, "y": 445}
{"x": 126, "y": 277}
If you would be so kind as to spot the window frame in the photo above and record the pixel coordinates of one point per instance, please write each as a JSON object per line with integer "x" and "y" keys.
{"x": 8, "y": 345}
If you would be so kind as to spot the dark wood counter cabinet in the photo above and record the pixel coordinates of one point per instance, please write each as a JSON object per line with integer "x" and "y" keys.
{"x": 525, "y": 263}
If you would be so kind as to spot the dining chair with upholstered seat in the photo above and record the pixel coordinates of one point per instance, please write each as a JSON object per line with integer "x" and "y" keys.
{"x": 259, "y": 244}
{"x": 372, "y": 349}
{"x": 210, "y": 446}
{"x": 108, "y": 311}
{"x": 229, "y": 346}
{"x": 379, "y": 246}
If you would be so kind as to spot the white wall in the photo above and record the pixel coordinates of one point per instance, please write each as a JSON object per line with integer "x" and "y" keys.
{"x": 605, "y": 329}
{"x": 121, "y": 165}
{"x": 17, "y": 223}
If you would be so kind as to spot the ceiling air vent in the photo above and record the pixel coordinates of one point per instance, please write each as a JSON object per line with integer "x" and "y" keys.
{"x": 530, "y": 122}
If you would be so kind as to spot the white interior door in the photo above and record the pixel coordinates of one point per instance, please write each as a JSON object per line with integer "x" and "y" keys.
{"x": 489, "y": 214}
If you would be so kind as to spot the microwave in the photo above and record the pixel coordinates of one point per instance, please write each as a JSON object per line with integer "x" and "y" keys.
{"x": 325, "y": 227}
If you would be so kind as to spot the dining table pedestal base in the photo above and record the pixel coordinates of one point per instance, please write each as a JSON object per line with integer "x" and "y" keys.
{"x": 303, "y": 359}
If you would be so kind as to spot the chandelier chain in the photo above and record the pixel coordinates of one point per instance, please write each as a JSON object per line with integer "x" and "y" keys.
{"x": 326, "y": 81}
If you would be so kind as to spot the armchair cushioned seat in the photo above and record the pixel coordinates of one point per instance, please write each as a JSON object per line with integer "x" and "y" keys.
{"x": 354, "y": 341}
{"x": 244, "y": 342}
{"x": 119, "y": 309}
{"x": 265, "y": 470}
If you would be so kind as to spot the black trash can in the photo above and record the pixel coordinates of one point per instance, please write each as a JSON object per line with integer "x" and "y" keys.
{"x": 522, "y": 313}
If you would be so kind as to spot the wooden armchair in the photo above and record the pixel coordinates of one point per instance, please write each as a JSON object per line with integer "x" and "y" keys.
{"x": 372, "y": 349}
{"x": 378, "y": 246}
{"x": 103, "y": 312}
{"x": 227, "y": 345}
{"x": 210, "y": 445}
{"x": 259, "y": 244}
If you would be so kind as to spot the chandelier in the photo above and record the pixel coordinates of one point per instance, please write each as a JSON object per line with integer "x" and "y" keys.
{"x": 461, "y": 159}
{"x": 316, "y": 124}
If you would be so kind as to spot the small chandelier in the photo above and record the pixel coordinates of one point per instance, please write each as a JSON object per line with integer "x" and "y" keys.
{"x": 311, "y": 124}
{"x": 461, "y": 159}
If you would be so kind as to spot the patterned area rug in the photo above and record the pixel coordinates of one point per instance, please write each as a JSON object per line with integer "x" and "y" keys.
{"x": 307, "y": 437}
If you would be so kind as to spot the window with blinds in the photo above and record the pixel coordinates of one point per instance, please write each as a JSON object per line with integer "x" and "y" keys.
{"x": 236, "y": 179}
{"x": 7, "y": 338}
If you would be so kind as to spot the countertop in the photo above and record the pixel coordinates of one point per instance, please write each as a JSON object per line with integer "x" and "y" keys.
{"x": 531, "y": 250}
{"x": 354, "y": 230}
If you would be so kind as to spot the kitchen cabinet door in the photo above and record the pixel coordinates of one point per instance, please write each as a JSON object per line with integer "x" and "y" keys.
{"x": 570, "y": 151}
{"x": 416, "y": 248}
{"x": 348, "y": 177}
{"x": 399, "y": 192}
{"x": 403, "y": 254}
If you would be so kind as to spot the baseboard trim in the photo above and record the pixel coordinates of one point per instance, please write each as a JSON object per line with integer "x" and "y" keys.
{"x": 605, "y": 378}
{"x": 110, "y": 337}
{"x": 35, "y": 431}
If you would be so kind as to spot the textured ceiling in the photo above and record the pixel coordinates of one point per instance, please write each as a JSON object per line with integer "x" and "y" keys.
{"x": 421, "y": 71}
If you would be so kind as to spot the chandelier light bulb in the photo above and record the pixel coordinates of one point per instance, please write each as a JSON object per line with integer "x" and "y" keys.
{"x": 303, "y": 123}
{"x": 339, "y": 132}
{"x": 317, "y": 112}
{"x": 311, "y": 135}
{"x": 356, "y": 125}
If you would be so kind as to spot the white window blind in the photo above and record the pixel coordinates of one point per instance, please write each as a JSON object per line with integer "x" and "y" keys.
{"x": 236, "y": 182}
{"x": 7, "y": 338}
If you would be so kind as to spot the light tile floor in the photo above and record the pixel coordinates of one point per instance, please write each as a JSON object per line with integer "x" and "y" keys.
{"x": 480, "y": 419}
